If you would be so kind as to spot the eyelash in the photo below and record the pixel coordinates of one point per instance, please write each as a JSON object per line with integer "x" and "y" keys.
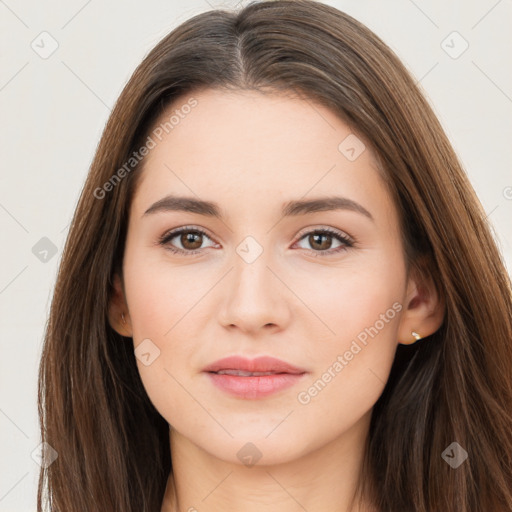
{"x": 167, "y": 237}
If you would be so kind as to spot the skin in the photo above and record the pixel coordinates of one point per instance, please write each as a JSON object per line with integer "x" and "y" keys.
{"x": 250, "y": 153}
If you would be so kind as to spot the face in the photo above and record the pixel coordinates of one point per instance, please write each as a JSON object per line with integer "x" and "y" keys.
{"x": 322, "y": 288}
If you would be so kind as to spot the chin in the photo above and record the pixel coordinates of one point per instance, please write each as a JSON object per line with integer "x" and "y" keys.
{"x": 251, "y": 448}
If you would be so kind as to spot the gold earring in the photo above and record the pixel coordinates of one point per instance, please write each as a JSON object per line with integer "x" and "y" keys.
{"x": 416, "y": 335}
{"x": 122, "y": 316}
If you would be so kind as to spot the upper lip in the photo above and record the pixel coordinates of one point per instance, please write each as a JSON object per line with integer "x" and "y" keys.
{"x": 258, "y": 364}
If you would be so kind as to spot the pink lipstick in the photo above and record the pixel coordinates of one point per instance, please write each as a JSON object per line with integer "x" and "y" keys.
{"x": 253, "y": 378}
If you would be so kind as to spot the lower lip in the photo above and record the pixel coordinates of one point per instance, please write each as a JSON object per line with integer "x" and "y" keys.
{"x": 254, "y": 387}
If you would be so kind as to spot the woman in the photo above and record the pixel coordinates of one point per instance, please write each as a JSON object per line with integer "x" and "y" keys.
{"x": 279, "y": 290}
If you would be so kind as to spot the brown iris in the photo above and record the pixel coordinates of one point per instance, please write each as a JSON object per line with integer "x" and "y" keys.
{"x": 313, "y": 240}
{"x": 193, "y": 238}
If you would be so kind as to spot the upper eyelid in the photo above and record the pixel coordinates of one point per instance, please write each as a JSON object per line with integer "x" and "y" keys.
{"x": 330, "y": 230}
{"x": 184, "y": 229}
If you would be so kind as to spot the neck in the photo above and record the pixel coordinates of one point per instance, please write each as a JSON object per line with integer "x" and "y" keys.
{"x": 320, "y": 478}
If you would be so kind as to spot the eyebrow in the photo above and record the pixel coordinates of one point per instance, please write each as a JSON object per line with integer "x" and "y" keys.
{"x": 291, "y": 208}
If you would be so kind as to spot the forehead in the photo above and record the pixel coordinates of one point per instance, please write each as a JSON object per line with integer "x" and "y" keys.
{"x": 253, "y": 147}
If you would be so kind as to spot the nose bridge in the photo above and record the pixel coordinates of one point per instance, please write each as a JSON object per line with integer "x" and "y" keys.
{"x": 251, "y": 273}
{"x": 254, "y": 298}
{"x": 251, "y": 267}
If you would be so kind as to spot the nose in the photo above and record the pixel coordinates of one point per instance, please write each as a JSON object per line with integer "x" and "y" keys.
{"x": 254, "y": 298}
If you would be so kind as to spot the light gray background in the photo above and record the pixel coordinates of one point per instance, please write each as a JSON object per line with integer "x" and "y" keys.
{"x": 53, "y": 111}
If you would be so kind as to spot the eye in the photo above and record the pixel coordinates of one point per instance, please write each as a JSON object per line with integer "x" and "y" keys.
{"x": 321, "y": 241}
{"x": 189, "y": 238}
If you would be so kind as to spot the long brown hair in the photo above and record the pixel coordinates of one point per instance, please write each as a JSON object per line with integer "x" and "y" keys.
{"x": 453, "y": 386}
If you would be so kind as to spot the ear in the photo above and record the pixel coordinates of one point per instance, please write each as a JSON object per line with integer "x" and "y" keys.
{"x": 424, "y": 311}
{"x": 118, "y": 308}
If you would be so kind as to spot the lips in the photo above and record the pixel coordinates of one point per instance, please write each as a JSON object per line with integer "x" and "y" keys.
{"x": 263, "y": 365}
{"x": 241, "y": 373}
{"x": 253, "y": 378}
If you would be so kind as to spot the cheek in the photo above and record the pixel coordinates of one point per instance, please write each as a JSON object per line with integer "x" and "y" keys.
{"x": 351, "y": 371}
{"x": 352, "y": 368}
{"x": 158, "y": 301}
{"x": 349, "y": 302}
{"x": 158, "y": 297}
{"x": 362, "y": 309}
